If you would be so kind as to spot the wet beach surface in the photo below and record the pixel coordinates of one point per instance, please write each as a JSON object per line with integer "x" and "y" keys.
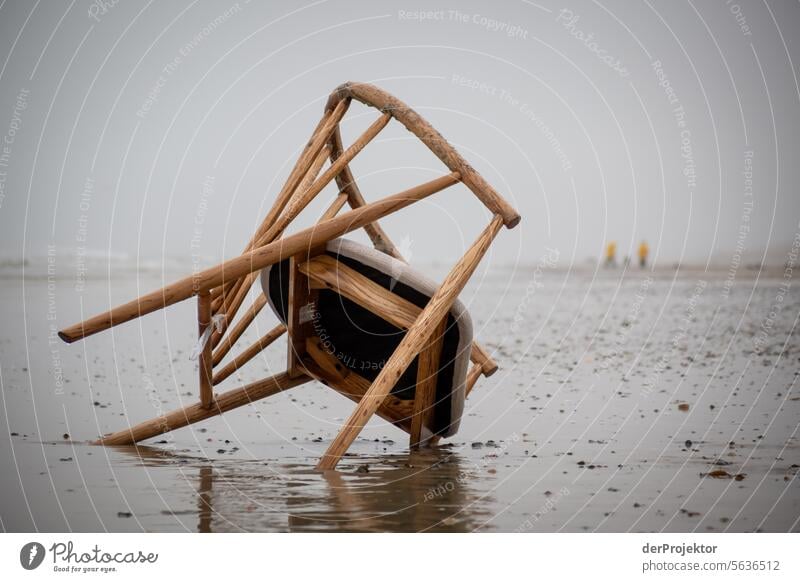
{"x": 625, "y": 402}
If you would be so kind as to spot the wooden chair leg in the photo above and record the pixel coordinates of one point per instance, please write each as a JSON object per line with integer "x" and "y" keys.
{"x": 382, "y": 242}
{"x": 472, "y": 376}
{"x": 425, "y": 391}
{"x": 305, "y": 192}
{"x": 255, "y": 260}
{"x": 325, "y": 368}
{"x": 231, "y": 305}
{"x": 334, "y": 208}
{"x": 297, "y": 202}
{"x": 480, "y": 356}
{"x": 240, "y": 327}
{"x": 298, "y": 317}
{"x": 206, "y": 357}
{"x": 412, "y": 343}
{"x": 252, "y": 351}
{"x": 329, "y": 121}
{"x": 196, "y": 412}
{"x": 380, "y": 99}
{"x": 327, "y": 272}
{"x": 347, "y": 184}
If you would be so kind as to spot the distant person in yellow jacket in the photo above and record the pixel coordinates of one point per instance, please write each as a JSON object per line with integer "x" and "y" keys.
{"x": 644, "y": 250}
{"x": 611, "y": 254}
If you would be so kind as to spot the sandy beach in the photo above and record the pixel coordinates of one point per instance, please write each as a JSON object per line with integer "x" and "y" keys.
{"x": 626, "y": 401}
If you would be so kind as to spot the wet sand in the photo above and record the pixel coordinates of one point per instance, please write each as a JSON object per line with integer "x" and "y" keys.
{"x": 625, "y": 402}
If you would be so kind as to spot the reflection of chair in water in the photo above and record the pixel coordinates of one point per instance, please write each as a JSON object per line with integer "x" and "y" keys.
{"x": 157, "y": 457}
{"x": 427, "y": 490}
{"x": 401, "y": 343}
{"x": 430, "y": 490}
{"x": 205, "y": 510}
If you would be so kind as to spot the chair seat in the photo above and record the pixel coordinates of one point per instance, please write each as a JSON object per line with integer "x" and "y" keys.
{"x": 362, "y": 341}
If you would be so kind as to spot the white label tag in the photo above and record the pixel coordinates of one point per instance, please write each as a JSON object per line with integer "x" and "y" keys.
{"x": 306, "y": 313}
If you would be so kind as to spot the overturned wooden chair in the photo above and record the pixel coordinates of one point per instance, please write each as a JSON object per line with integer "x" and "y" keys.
{"x": 358, "y": 320}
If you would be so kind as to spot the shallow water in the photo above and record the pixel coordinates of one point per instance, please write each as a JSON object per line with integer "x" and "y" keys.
{"x": 617, "y": 396}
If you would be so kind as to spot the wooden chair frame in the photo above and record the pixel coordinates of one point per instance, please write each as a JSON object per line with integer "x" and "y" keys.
{"x": 221, "y": 290}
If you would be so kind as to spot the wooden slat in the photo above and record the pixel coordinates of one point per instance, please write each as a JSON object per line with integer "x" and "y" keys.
{"x": 480, "y": 356}
{"x": 299, "y": 297}
{"x": 347, "y": 185}
{"x": 326, "y": 271}
{"x": 305, "y": 195}
{"x": 411, "y": 344}
{"x": 318, "y": 140}
{"x": 425, "y": 391}
{"x": 329, "y": 122}
{"x": 236, "y": 332}
{"x": 205, "y": 359}
{"x": 329, "y": 371}
{"x": 334, "y": 208}
{"x": 416, "y": 124}
{"x": 337, "y": 165}
{"x": 383, "y": 243}
{"x": 362, "y": 290}
{"x": 196, "y": 412}
{"x": 255, "y": 260}
{"x": 306, "y": 191}
{"x": 297, "y": 203}
{"x": 230, "y": 339}
{"x": 230, "y": 306}
{"x": 472, "y": 377}
{"x": 248, "y": 354}
{"x": 312, "y": 149}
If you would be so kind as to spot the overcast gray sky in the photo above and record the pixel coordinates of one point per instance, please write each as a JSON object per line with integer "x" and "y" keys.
{"x": 164, "y": 129}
